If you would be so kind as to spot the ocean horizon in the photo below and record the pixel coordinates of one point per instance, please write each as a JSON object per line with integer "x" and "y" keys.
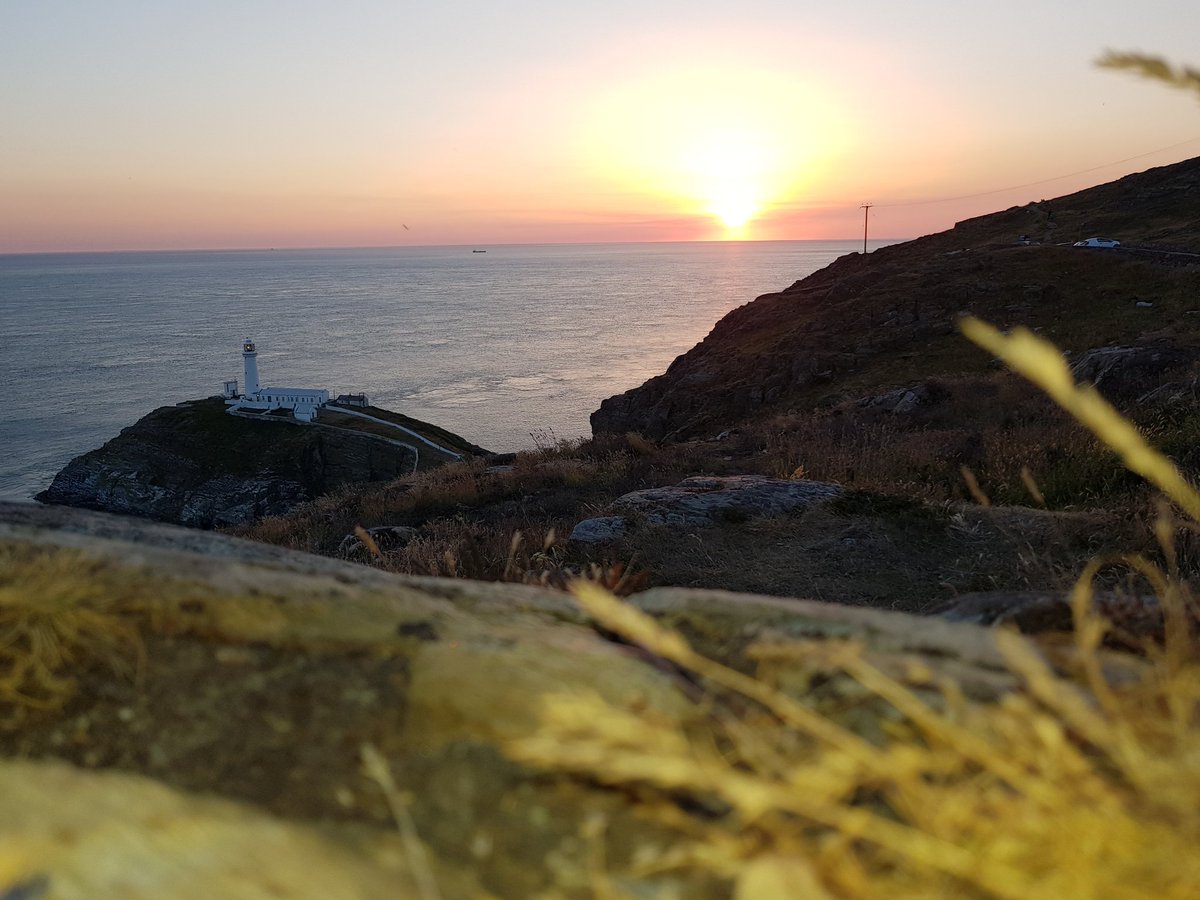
{"x": 509, "y": 347}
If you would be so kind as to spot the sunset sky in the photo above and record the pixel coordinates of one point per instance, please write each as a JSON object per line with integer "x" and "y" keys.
{"x": 168, "y": 124}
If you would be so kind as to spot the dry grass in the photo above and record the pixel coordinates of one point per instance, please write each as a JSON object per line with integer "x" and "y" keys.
{"x": 60, "y": 615}
{"x": 469, "y": 513}
{"x": 1011, "y": 430}
{"x": 1075, "y": 786}
{"x": 459, "y": 549}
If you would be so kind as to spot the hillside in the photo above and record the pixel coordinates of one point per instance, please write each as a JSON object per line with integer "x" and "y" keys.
{"x": 871, "y": 323}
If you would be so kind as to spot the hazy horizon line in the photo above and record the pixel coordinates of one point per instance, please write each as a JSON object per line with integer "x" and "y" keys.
{"x": 482, "y": 245}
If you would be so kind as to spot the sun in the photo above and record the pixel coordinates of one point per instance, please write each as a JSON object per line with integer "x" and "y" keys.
{"x": 706, "y": 144}
{"x": 734, "y": 207}
{"x": 726, "y": 168}
{"x": 735, "y": 212}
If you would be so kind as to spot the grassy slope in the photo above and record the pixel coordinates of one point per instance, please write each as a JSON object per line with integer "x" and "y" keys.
{"x": 867, "y": 325}
{"x": 432, "y": 432}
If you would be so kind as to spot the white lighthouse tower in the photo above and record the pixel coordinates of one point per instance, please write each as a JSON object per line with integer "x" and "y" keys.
{"x": 250, "y": 358}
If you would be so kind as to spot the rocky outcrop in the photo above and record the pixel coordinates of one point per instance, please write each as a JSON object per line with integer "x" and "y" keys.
{"x": 1122, "y": 373}
{"x": 898, "y": 402}
{"x": 868, "y": 323}
{"x": 298, "y": 689}
{"x": 706, "y": 500}
{"x": 194, "y": 465}
{"x": 110, "y": 839}
{"x": 599, "y": 529}
{"x": 1137, "y": 619}
{"x": 703, "y": 501}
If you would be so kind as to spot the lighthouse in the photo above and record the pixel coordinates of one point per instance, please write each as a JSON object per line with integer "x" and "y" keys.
{"x": 250, "y": 358}
{"x": 303, "y": 403}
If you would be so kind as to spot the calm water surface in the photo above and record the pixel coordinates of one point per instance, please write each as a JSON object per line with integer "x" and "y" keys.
{"x": 497, "y": 346}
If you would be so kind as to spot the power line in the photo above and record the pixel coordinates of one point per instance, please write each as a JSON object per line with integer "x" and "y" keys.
{"x": 1017, "y": 187}
{"x": 830, "y": 204}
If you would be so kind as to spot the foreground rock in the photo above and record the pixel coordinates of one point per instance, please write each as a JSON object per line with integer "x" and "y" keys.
{"x": 192, "y": 464}
{"x": 108, "y": 840}
{"x": 1136, "y": 619}
{"x": 265, "y": 672}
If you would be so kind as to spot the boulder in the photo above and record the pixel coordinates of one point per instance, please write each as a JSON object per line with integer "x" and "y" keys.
{"x": 1129, "y": 371}
{"x": 264, "y": 672}
{"x": 599, "y": 529}
{"x": 128, "y": 836}
{"x": 1033, "y": 612}
{"x": 705, "y": 500}
{"x": 1172, "y": 394}
{"x": 900, "y": 401}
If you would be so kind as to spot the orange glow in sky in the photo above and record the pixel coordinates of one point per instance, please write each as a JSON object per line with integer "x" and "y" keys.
{"x": 708, "y": 141}
{"x": 152, "y": 126}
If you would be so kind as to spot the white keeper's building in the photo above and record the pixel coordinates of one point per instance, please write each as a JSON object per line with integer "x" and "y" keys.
{"x": 302, "y": 402}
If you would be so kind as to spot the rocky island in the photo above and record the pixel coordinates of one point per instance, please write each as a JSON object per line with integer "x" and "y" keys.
{"x": 196, "y": 465}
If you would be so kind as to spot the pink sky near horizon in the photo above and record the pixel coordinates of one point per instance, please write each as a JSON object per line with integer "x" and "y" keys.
{"x": 139, "y": 125}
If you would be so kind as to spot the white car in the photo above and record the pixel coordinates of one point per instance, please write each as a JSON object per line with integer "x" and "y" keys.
{"x": 1098, "y": 242}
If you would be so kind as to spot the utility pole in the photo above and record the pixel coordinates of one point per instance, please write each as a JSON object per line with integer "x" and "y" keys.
{"x": 866, "y": 208}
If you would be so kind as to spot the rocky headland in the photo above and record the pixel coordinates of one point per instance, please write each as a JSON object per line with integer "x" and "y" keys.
{"x": 196, "y": 465}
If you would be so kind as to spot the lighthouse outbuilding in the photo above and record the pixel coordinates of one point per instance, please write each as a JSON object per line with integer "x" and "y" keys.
{"x": 303, "y": 403}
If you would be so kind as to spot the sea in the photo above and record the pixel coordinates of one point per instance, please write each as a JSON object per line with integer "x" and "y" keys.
{"x": 510, "y": 348}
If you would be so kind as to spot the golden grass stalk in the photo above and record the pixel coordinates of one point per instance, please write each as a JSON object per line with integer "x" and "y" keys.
{"x": 1031, "y": 485}
{"x": 973, "y": 487}
{"x": 377, "y": 769}
{"x": 634, "y": 625}
{"x": 1051, "y": 792}
{"x": 1154, "y": 68}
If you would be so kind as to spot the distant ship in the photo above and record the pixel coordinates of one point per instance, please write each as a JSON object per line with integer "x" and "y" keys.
{"x": 479, "y": 251}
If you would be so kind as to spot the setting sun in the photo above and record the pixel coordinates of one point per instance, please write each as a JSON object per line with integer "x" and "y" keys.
{"x": 734, "y": 211}
{"x": 729, "y": 172}
{"x": 707, "y": 143}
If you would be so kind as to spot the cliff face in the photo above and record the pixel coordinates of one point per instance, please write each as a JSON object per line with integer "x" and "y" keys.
{"x": 193, "y": 464}
{"x": 871, "y": 323}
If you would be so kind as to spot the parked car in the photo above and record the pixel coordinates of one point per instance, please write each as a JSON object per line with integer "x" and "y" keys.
{"x": 1098, "y": 242}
